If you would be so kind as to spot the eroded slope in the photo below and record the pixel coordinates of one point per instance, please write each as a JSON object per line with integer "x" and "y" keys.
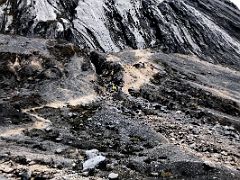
{"x": 150, "y": 114}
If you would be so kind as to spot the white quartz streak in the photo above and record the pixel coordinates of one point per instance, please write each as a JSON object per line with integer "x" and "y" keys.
{"x": 91, "y": 15}
{"x": 205, "y": 20}
{"x": 130, "y": 6}
{"x": 44, "y": 11}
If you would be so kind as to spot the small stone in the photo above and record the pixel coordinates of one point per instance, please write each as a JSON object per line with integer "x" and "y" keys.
{"x": 155, "y": 174}
{"x": 32, "y": 163}
{"x": 224, "y": 153}
{"x": 139, "y": 65}
{"x": 28, "y": 160}
{"x": 236, "y": 136}
{"x": 227, "y": 132}
{"x": 58, "y": 151}
{"x": 70, "y": 114}
{"x": 226, "y": 127}
{"x": 190, "y": 127}
{"x": 92, "y": 163}
{"x": 193, "y": 146}
{"x": 86, "y": 173}
{"x": 113, "y": 176}
{"x": 58, "y": 139}
{"x": 48, "y": 129}
{"x": 231, "y": 128}
{"x": 163, "y": 108}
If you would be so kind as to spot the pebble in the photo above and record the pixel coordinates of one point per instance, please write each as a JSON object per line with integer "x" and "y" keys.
{"x": 32, "y": 163}
{"x": 86, "y": 173}
{"x": 48, "y": 129}
{"x": 227, "y": 132}
{"x": 190, "y": 127}
{"x": 193, "y": 146}
{"x": 58, "y": 139}
{"x": 224, "y": 153}
{"x": 58, "y": 151}
{"x": 178, "y": 112}
{"x": 236, "y": 136}
{"x": 155, "y": 174}
{"x": 113, "y": 176}
{"x": 70, "y": 114}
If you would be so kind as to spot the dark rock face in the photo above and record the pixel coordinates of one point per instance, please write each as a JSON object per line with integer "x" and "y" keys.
{"x": 206, "y": 28}
{"x": 42, "y": 65}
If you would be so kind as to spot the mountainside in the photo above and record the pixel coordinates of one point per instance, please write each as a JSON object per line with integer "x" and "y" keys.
{"x": 119, "y": 89}
{"x": 203, "y": 27}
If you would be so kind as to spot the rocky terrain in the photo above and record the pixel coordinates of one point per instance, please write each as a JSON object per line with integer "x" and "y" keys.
{"x": 119, "y": 89}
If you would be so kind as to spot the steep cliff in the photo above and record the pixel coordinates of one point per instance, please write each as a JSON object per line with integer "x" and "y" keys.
{"x": 207, "y": 28}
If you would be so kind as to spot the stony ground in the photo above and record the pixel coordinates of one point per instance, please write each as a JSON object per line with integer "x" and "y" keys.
{"x": 71, "y": 114}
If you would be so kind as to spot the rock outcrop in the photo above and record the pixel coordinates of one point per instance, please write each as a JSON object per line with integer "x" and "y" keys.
{"x": 206, "y": 28}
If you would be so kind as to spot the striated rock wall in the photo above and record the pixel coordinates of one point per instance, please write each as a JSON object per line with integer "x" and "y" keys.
{"x": 209, "y": 29}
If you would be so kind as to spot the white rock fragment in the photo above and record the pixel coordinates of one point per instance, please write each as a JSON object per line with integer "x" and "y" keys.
{"x": 94, "y": 159}
{"x": 113, "y": 176}
{"x": 93, "y": 162}
{"x": 92, "y": 153}
{"x": 45, "y": 11}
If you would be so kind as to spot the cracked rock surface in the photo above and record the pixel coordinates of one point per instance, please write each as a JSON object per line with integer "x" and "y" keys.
{"x": 207, "y": 28}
